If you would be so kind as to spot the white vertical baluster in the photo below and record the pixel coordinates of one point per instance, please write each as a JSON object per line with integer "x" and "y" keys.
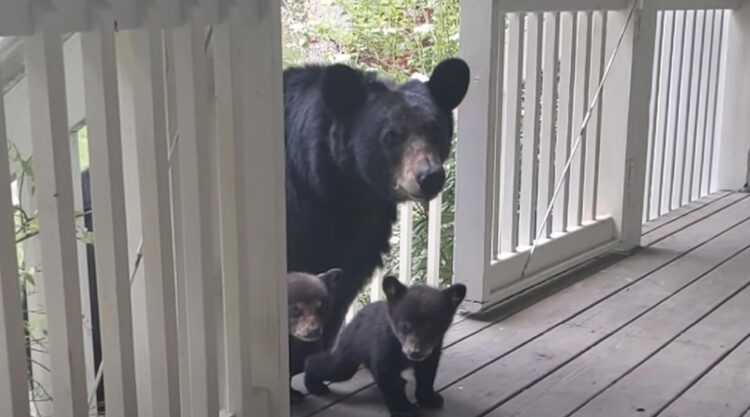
{"x": 678, "y": 109}
{"x": 591, "y": 169}
{"x": 580, "y": 105}
{"x": 696, "y": 64}
{"x": 47, "y": 100}
{"x": 530, "y": 165}
{"x": 716, "y": 61}
{"x": 665, "y": 87}
{"x": 682, "y": 139}
{"x": 156, "y": 224}
{"x": 654, "y": 110}
{"x": 108, "y": 203}
{"x": 406, "y": 235}
{"x": 568, "y": 39}
{"x": 703, "y": 106}
{"x": 434, "y": 226}
{"x": 510, "y": 179}
{"x": 376, "y": 287}
{"x": 192, "y": 106}
{"x": 670, "y": 131}
{"x": 13, "y": 379}
{"x": 550, "y": 95}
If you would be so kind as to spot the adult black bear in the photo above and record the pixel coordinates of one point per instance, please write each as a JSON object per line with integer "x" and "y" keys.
{"x": 356, "y": 145}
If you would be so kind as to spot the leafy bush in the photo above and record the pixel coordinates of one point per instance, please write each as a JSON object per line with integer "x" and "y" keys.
{"x": 399, "y": 38}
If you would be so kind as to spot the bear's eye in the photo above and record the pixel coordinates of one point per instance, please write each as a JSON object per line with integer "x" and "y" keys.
{"x": 294, "y": 311}
{"x": 391, "y": 138}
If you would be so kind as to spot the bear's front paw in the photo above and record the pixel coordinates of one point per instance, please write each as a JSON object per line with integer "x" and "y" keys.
{"x": 316, "y": 387}
{"x": 295, "y": 397}
{"x": 430, "y": 400}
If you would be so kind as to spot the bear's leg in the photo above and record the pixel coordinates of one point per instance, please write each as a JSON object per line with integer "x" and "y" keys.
{"x": 331, "y": 367}
{"x": 337, "y": 312}
{"x": 392, "y": 386}
{"x": 424, "y": 373}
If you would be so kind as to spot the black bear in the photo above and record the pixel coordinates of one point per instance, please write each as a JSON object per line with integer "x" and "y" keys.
{"x": 307, "y": 301}
{"x": 406, "y": 331}
{"x": 356, "y": 145}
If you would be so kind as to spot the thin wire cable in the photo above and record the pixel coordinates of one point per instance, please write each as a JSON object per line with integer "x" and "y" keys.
{"x": 584, "y": 125}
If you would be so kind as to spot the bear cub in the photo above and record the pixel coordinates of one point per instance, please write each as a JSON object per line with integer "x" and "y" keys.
{"x": 405, "y": 331}
{"x": 307, "y": 302}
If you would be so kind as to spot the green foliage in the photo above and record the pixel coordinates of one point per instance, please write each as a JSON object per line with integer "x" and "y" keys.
{"x": 399, "y": 38}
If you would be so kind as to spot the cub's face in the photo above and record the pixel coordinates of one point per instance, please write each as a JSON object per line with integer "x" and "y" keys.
{"x": 398, "y": 135}
{"x": 420, "y": 315}
{"x": 307, "y": 302}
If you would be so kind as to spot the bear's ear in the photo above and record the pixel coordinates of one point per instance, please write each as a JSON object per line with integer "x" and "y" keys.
{"x": 331, "y": 278}
{"x": 393, "y": 288}
{"x": 344, "y": 91}
{"x": 449, "y": 82}
{"x": 455, "y": 294}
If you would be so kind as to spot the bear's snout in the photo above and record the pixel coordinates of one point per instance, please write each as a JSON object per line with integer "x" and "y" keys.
{"x": 431, "y": 179}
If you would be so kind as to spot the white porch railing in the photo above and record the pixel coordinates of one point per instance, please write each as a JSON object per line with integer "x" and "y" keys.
{"x": 511, "y": 154}
{"x": 143, "y": 76}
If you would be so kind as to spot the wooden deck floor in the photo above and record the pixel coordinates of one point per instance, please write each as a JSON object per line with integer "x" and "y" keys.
{"x": 663, "y": 332}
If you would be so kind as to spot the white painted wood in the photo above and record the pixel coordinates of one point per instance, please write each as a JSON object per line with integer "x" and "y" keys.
{"x": 156, "y": 225}
{"x": 568, "y": 27}
{"x": 716, "y": 61}
{"x": 510, "y": 179}
{"x": 654, "y": 113}
{"x": 576, "y": 178}
{"x": 406, "y": 234}
{"x": 376, "y": 285}
{"x": 550, "y": 95}
{"x": 83, "y": 270}
{"x": 482, "y": 46}
{"x": 679, "y": 129}
{"x": 434, "y": 228}
{"x": 108, "y": 202}
{"x": 44, "y": 66}
{"x": 705, "y": 132}
{"x": 702, "y": 106}
{"x": 531, "y": 133}
{"x": 734, "y": 143}
{"x": 560, "y": 5}
{"x": 673, "y": 113}
{"x": 174, "y": 186}
{"x": 15, "y": 18}
{"x": 623, "y": 165}
{"x": 192, "y": 101}
{"x": 696, "y": 4}
{"x": 598, "y": 24}
{"x": 260, "y": 162}
{"x": 13, "y": 378}
{"x": 695, "y": 97}
{"x": 496, "y": 110}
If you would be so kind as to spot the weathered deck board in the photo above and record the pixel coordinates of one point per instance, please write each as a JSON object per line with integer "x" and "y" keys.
{"x": 497, "y": 358}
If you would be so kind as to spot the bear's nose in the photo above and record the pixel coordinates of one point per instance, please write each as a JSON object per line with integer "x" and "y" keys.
{"x": 431, "y": 179}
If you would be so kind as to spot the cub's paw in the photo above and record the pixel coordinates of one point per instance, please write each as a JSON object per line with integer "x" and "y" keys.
{"x": 431, "y": 400}
{"x": 295, "y": 397}
{"x": 316, "y": 387}
{"x": 409, "y": 410}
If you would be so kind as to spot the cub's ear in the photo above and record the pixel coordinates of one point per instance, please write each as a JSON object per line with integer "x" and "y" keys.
{"x": 331, "y": 278}
{"x": 393, "y": 288}
{"x": 455, "y": 294}
{"x": 449, "y": 82}
{"x": 344, "y": 91}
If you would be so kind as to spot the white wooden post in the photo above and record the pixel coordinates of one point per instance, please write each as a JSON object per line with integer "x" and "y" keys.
{"x": 625, "y": 119}
{"x": 13, "y": 379}
{"x": 482, "y": 43}
{"x": 195, "y": 140}
{"x": 47, "y": 100}
{"x": 108, "y": 203}
{"x": 406, "y": 232}
{"x": 156, "y": 226}
{"x": 250, "y": 149}
{"x": 733, "y": 159}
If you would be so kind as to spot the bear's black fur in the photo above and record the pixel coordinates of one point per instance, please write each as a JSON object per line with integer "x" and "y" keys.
{"x": 406, "y": 331}
{"x": 307, "y": 301}
{"x": 356, "y": 145}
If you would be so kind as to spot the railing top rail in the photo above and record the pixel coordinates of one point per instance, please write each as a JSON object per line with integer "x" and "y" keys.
{"x": 25, "y": 17}
{"x": 511, "y": 6}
